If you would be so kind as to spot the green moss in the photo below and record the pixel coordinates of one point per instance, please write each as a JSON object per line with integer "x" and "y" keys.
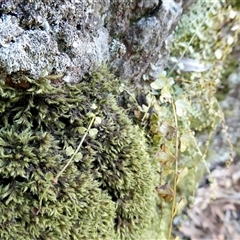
{"x": 208, "y": 38}
{"x": 234, "y": 3}
{"x": 106, "y": 193}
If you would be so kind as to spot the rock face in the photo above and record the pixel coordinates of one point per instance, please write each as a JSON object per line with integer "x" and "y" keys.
{"x": 74, "y": 37}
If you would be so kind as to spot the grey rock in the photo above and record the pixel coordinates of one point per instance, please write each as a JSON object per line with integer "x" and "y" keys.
{"x": 187, "y": 4}
{"x": 74, "y": 37}
{"x": 9, "y": 30}
{"x": 146, "y": 38}
{"x": 32, "y": 52}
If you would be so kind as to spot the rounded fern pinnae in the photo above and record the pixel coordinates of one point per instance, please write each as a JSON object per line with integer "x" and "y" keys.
{"x": 107, "y": 190}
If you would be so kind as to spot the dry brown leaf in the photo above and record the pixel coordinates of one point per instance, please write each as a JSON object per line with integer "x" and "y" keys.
{"x": 215, "y": 212}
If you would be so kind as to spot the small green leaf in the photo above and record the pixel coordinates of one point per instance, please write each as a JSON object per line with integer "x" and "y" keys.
{"x": 166, "y": 96}
{"x": 90, "y": 114}
{"x": 93, "y": 132}
{"x": 122, "y": 87}
{"x": 182, "y": 174}
{"x": 39, "y": 91}
{"x": 161, "y": 81}
{"x": 218, "y": 54}
{"x": 81, "y": 130}
{"x": 179, "y": 206}
{"x": 191, "y": 199}
{"x": 94, "y": 106}
{"x": 145, "y": 77}
{"x": 167, "y": 172}
{"x": 182, "y": 106}
{"x": 158, "y": 84}
{"x": 97, "y": 121}
{"x": 155, "y": 85}
{"x": 49, "y": 176}
{"x": 186, "y": 140}
{"x": 166, "y": 158}
{"x": 69, "y": 151}
{"x": 78, "y": 157}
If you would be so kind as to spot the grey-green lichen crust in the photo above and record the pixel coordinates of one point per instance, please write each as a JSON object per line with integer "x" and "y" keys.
{"x": 75, "y": 37}
{"x": 106, "y": 193}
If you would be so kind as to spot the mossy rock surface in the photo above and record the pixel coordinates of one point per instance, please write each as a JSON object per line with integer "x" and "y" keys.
{"x": 107, "y": 192}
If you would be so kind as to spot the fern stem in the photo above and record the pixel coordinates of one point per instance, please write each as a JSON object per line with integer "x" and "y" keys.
{"x": 175, "y": 172}
{"x": 76, "y": 151}
{"x": 69, "y": 161}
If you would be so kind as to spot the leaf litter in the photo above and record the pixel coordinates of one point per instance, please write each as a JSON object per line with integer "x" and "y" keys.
{"x": 215, "y": 213}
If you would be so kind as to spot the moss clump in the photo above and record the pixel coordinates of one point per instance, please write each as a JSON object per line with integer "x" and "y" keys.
{"x": 107, "y": 192}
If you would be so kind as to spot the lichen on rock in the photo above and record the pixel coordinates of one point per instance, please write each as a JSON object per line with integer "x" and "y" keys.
{"x": 75, "y": 37}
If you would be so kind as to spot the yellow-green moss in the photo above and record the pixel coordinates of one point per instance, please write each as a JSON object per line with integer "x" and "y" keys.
{"x": 107, "y": 193}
